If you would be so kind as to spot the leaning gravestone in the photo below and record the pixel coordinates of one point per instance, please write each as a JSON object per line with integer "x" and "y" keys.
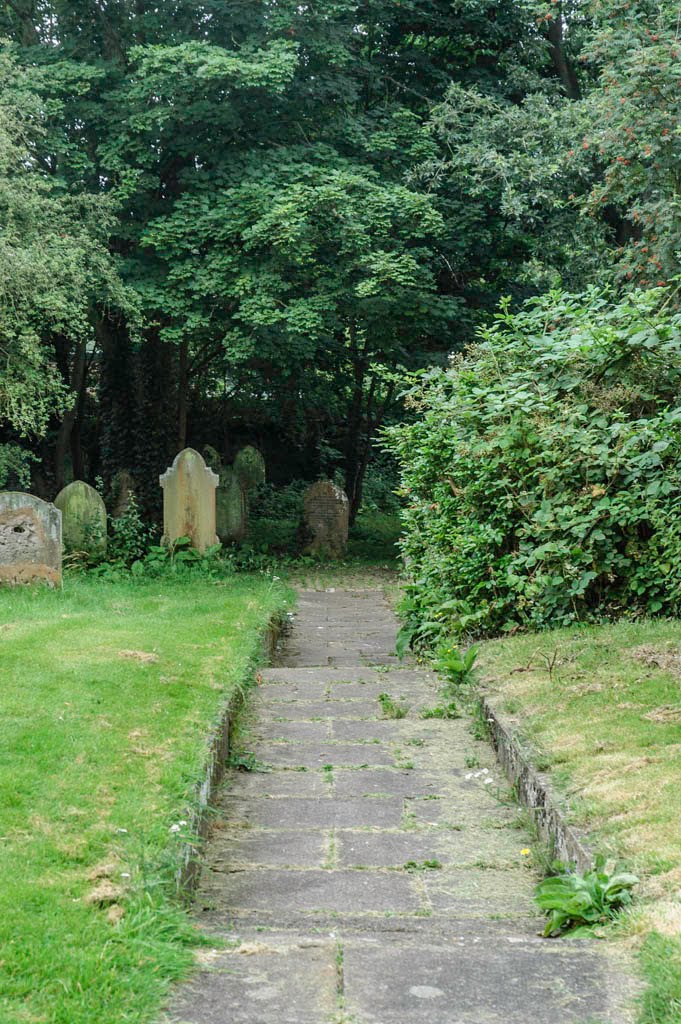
{"x": 232, "y": 508}
{"x": 327, "y": 510}
{"x": 249, "y": 466}
{"x": 83, "y": 520}
{"x": 189, "y": 500}
{"x": 30, "y": 539}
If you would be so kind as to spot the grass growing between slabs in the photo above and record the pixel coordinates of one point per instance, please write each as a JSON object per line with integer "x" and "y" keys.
{"x": 109, "y": 691}
{"x": 600, "y": 709}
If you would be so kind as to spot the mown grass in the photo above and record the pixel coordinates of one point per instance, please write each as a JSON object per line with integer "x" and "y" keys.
{"x": 109, "y": 690}
{"x": 601, "y": 709}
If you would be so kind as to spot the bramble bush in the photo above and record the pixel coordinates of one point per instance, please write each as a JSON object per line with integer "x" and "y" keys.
{"x": 542, "y": 472}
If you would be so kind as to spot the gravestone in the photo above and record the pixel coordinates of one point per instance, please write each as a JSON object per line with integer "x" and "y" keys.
{"x": 83, "y": 520}
{"x": 249, "y": 466}
{"x": 30, "y": 539}
{"x": 189, "y": 500}
{"x": 232, "y": 508}
{"x": 327, "y": 512}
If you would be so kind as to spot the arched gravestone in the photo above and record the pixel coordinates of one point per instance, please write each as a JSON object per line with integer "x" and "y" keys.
{"x": 83, "y": 520}
{"x": 232, "y": 508}
{"x": 30, "y": 539}
{"x": 249, "y": 466}
{"x": 189, "y": 500}
{"x": 327, "y": 514}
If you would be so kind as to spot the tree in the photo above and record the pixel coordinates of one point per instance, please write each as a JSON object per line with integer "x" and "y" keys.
{"x": 316, "y": 273}
{"x": 54, "y": 266}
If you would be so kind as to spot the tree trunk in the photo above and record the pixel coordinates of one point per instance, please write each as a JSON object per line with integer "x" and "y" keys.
{"x": 182, "y": 396}
{"x": 562, "y": 65}
{"x": 77, "y": 387}
{"x": 352, "y": 453}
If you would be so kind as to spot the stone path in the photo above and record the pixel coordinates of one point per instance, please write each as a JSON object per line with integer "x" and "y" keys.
{"x": 373, "y": 874}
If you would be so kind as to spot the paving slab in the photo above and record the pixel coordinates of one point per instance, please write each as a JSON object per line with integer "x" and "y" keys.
{"x": 299, "y": 710}
{"x": 313, "y": 812}
{"x": 258, "y": 983}
{"x": 384, "y": 782}
{"x": 478, "y": 983}
{"x": 396, "y": 849}
{"x": 309, "y": 890}
{"x": 272, "y": 848}
{"x": 372, "y": 871}
{"x": 316, "y": 755}
{"x": 275, "y": 782}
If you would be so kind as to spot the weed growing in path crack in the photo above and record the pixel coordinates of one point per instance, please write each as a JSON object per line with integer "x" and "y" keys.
{"x": 424, "y": 865}
{"x": 401, "y": 761}
{"x": 447, "y": 711}
{"x": 246, "y": 761}
{"x": 390, "y": 708}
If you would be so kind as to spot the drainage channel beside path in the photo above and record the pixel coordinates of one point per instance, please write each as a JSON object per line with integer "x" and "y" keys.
{"x": 373, "y": 873}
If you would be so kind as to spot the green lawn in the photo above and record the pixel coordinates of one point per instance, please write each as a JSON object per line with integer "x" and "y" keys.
{"x": 109, "y": 690}
{"x": 601, "y": 709}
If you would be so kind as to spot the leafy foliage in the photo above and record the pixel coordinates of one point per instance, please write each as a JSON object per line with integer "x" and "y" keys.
{"x": 542, "y": 476}
{"x": 573, "y": 900}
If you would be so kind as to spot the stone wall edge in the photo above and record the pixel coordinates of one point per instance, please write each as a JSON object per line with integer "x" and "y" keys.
{"x": 534, "y": 791}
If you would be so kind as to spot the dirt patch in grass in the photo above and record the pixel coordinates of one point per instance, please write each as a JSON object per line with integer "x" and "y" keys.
{"x": 667, "y": 658}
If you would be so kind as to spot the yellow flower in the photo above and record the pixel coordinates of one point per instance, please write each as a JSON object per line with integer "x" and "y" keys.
{"x": 525, "y": 852}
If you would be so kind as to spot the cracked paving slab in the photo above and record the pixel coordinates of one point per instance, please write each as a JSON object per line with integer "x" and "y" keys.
{"x": 370, "y": 871}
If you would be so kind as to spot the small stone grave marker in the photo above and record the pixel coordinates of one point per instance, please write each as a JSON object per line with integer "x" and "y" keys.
{"x": 249, "y": 466}
{"x": 83, "y": 520}
{"x": 327, "y": 512}
{"x": 189, "y": 500}
{"x": 30, "y": 539}
{"x": 232, "y": 507}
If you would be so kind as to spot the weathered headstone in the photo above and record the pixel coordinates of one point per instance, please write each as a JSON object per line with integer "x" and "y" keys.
{"x": 327, "y": 511}
{"x": 232, "y": 508}
{"x": 30, "y": 539}
{"x": 212, "y": 458}
{"x": 249, "y": 466}
{"x": 189, "y": 500}
{"x": 83, "y": 520}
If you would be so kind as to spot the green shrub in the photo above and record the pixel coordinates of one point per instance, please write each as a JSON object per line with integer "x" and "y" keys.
{"x": 379, "y": 493}
{"x": 542, "y": 474}
{"x": 129, "y": 534}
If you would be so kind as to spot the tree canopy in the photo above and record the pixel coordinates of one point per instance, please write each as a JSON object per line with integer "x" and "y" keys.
{"x": 241, "y": 221}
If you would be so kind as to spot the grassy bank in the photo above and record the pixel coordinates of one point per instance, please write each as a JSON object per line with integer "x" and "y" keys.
{"x": 601, "y": 710}
{"x": 108, "y": 692}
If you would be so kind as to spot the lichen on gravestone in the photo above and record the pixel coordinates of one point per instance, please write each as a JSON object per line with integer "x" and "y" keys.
{"x": 327, "y": 516}
{"x": 189, "y": 505}
{"x": 30, "y": 539}
{"x": 83, "y": 520}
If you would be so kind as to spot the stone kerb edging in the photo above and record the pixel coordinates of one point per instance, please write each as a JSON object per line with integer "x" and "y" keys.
{"x": 535, "y": 792}
{"x": 188, "y": 868}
